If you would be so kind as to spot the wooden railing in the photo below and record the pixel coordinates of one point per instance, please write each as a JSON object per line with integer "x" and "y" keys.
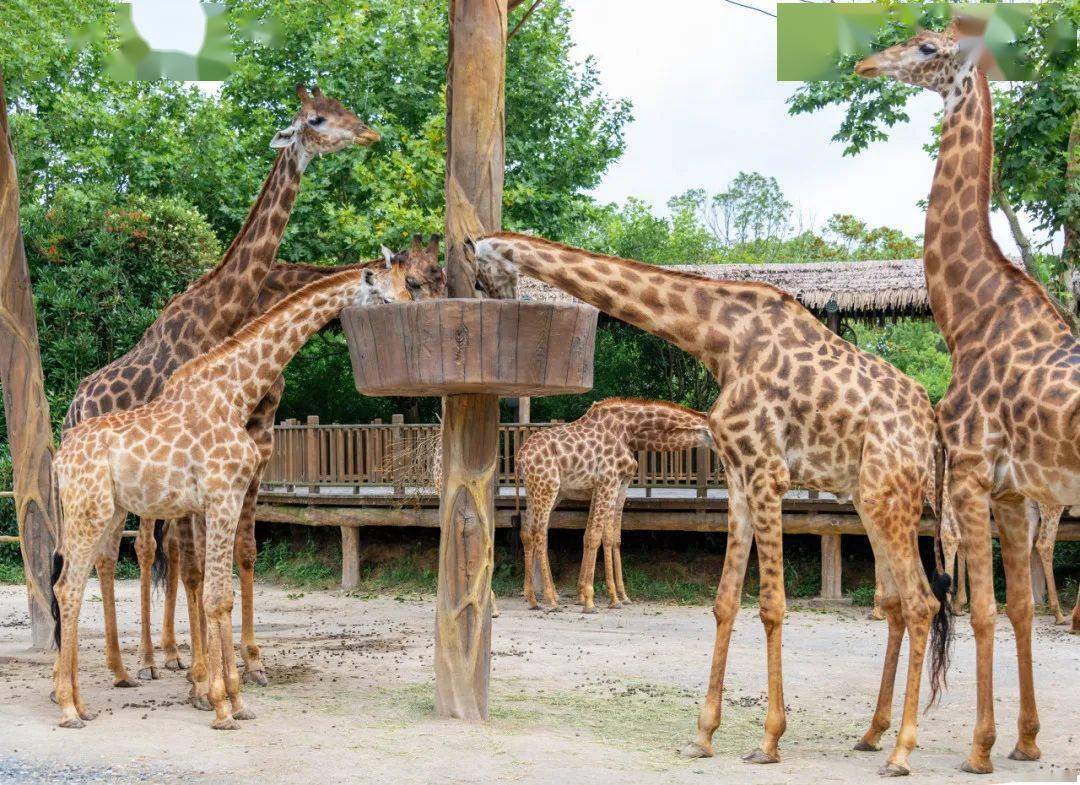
{"x": 399, "y": 455}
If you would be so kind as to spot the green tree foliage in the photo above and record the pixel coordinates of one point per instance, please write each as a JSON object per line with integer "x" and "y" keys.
{"x": 1033, "y": 118}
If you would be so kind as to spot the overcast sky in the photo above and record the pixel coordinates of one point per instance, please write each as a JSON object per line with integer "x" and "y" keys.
{"x": 702, "y": 77}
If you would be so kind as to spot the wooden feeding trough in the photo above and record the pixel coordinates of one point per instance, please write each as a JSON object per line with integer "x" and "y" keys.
{"x": 461, "y": 346}
{"x": 471, "y": 351}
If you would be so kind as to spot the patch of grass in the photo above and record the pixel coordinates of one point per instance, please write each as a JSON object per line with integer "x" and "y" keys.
{"x": 305, "y": 566}
{"x": 11, "y": 569}
{"x": 862, "y": 595}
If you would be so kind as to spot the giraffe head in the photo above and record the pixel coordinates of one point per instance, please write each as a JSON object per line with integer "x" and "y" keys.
{"x": 934, "y": 60}
{"x": 496, "y": 270}
{"x": 378, "y": 286}
{"x": 416, "y": 270}
{"x": 323, "y": 125}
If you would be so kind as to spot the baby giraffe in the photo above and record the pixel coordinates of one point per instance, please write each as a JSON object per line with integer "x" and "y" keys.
{"x": 595, "y": 455}
{"x": 187, "y": 452}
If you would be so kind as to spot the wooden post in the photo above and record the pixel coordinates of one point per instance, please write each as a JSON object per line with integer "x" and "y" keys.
{"x": 311, "y": 453}
{"x": 25, "y": 405}
{"x": 831, "y": 567}
{"x": 704, "y": 460}
{"x": 475, "y": 164}
{"x": 350, "y": 557}
{"x": 524, "y": 409}
{"x": 397, "y": 460}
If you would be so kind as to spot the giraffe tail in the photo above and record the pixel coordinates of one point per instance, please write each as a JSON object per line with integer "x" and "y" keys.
{"x": 159, "y": 571}
{"x": 57, "y": 559}
{"x": 941, "y": 582}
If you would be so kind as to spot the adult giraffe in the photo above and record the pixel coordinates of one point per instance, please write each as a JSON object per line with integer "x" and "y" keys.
{"x": 797, "y": 404}
{"x": 1010, "y": 420}
{"x": 186, "y": 452}
{"x": 194, "y": 321}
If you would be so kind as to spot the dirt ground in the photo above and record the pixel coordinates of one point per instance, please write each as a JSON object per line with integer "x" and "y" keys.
{"x": 605, "y": 698}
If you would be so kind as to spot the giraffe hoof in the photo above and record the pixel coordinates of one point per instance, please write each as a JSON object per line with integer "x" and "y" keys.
{"x": 865, "y": 746}
{"x": 626, "y": 601}
{"x": 760, "y": 756}
{"x": 86, "y": 715}
{"x": 1032, "y": 754}
{"x": 244, "y": 714}
{"x": 52, "y": 696}
{"x": 125, "y": 683}
{"x": 149, "y": 674}
{"x": 893, "y": 770}
{"x": 614, "y": 606}
{"x": 553, "y": 608}
{"x": 695, "y": 750}
{"x": 981, "y": 768}
{"x": 494, "y": 613}
{"x": 256, "y": 677}
{"x": 228, "y": 723}
{"x": 175, "y": 664}
{"x": 1075, "y": 630}
{"x": 201, "y": 702}
{"x": 72, "y": 722}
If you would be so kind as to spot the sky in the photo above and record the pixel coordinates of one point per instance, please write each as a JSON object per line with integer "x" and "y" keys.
{"x": 702, "y": 78}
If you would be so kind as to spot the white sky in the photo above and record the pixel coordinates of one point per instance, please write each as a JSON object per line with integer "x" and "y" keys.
{"x": 702, "y": 77}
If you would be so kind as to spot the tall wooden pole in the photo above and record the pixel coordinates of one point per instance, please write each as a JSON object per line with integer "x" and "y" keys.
{"x": 475, "y": 161}
{"x": 25, "y": 405}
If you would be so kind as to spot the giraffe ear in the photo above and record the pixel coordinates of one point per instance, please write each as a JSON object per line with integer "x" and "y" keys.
{"x": 387, "y": 255}
{"x": 369, "y": 276}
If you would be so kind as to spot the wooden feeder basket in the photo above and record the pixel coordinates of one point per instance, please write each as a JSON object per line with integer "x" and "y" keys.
{"x": 464, "y": 346}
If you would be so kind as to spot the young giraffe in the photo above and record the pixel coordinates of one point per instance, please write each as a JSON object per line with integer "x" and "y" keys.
{"x": 595, "y": 455}
{"x": 186, "y": 452}
{"x": 1010, "y": 420}
{"x": 415, "y": 271}
{"x": 797, "y": 404}
{"x": 190, "y": 324}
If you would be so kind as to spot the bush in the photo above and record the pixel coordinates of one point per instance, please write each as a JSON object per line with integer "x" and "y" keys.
{"x": 103, "y": 265}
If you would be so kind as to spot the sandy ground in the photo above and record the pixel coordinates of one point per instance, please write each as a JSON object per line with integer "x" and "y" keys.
{"x": 605, "y": 698}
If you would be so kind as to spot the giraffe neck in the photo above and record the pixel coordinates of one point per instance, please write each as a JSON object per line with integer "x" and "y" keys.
{"x": 285, "y": 278}
{"x": 654, "y": 425}
{"x": 719, "y": 322}
{"x": 233, "y": 286}
{"x": 248, "y": 362}
{"x": 967, "y": 276}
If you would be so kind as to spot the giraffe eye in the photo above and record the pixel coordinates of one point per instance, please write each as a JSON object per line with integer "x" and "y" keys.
{"x": 928, "y": 49}
{"x": 412, "y": 283}
{"x": 316, "y": 121}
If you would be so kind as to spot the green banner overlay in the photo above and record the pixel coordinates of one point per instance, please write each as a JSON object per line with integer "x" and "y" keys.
{"x": 132, "y": 59}
{"x": 821, "y": 41}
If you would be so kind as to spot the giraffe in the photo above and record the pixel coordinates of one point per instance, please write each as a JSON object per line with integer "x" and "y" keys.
{"x": 186, "y": 452}
{"x": 415, "y": 271}
{"x": 194, "y": 321}
{"x": 1010, "y": 419}
{"x": 797, "y": 404}
{"x": 595, "y": 455}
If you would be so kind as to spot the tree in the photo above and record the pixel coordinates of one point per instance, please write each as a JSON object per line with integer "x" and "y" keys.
{"x": 752, "y": 208}
{"x": 1034, "y": 118}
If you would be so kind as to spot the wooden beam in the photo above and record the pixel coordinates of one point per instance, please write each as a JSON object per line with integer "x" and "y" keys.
{"x": 26, "y": 408}
{"x": 475, "y": 168}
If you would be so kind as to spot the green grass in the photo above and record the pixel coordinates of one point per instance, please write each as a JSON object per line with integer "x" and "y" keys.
{"x": 306, "y": 566}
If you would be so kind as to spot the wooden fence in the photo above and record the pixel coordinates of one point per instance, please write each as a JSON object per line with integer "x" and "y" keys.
{"x": 398, "y": 455}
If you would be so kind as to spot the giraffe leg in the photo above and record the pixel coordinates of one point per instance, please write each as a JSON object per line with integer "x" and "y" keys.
{"x": 889, "y": 599}
{"x": 766, "y": 517}
{"x": 245, "y": 552}
{"x": 608, "y": 540}
{"x": 918, "y": 606}
{"x": 534, "y": 539}
{"x": 1076, "y": 617}
{"x": 1049, "y": 517}
{"x": 189, "y": 532}
{"x": 105, "y": 565}
{"x": 960, "y": 599}
{"x": 172, "y": 585}
{"x": 1011, "y": 518}
{"x": 217, "y": 604}
{"x": 528, "y": 544}
{"x": 620, "y": 586}
{"x": 145, "y": 546}
{"x": 599, "y": 512}
{"x": 725, "y": 608}
{"x": 877, "y": 613}
{"x": 971, "y": 504}
{"x": 551, "y": 595}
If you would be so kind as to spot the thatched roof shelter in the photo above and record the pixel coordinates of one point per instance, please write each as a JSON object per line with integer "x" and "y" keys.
{"x": 860, "y": 290}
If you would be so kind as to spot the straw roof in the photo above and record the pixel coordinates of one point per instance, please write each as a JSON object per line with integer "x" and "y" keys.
{"x": 860, "y": 289}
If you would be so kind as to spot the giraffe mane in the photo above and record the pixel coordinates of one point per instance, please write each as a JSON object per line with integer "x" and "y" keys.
{"x": 757, "y": 286}
{"x": 618, "y": 401}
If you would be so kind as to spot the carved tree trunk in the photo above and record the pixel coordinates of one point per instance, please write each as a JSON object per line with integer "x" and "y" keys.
{"x": 475, "y": 161}
{"x": 25, "y": 405}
